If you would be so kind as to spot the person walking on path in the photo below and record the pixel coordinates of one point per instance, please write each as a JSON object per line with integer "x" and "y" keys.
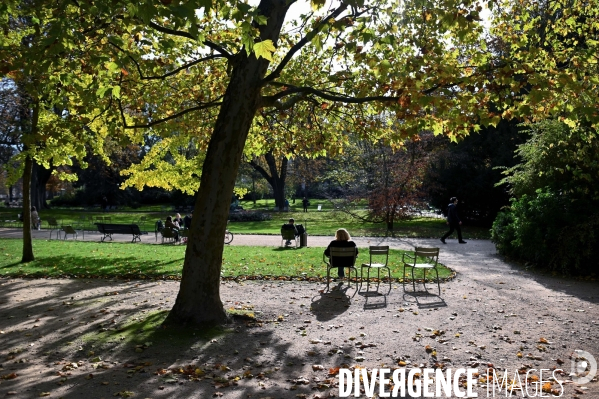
{"x": 305, "y": 203}
{"x": 342, "y": 240}
{"x": 453, "y": 221}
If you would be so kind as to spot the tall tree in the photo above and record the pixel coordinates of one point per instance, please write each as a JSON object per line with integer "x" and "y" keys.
{"x": 389, "y": 178}
{"x": 47, "y": 74}
{"x": 220, "y": 62}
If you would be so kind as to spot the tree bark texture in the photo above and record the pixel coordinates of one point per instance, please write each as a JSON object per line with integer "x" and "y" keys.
{"x": 27, "y": 244}
{"x": 39, "y": 179}
{"x": 198, "y": 301}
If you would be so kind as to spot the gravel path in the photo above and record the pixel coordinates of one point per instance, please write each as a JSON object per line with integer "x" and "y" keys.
{"x": 493, "y": 313}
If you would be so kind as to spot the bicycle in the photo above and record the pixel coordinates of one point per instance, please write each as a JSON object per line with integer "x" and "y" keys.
{"x": 228, "y": 235}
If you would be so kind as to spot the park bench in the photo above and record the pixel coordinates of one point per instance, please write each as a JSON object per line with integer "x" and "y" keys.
{"x": 108, "y": 229}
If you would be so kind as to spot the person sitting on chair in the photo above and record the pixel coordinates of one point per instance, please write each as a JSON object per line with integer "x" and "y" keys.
{"x": 342, "y": 240}
{"x": 174, "y": 226}
{"x": 35, "y": 219}
{"x": 179, "y": 220}
{"x": 290, "y": 226}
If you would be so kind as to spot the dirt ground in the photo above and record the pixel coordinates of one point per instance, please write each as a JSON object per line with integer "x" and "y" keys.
{"x": 100, "y": 338}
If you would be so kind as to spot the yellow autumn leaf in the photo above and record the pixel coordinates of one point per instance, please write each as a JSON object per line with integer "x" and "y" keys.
{"x": 264, "y": 49}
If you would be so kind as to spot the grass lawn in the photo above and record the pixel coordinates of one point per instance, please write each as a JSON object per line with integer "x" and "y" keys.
{"x": 325, "y": 223}
{"x": 319, "y": 223}
{"x": 90, "y": 259}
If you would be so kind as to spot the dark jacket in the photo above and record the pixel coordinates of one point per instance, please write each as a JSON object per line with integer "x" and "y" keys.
{"x": 288, "y": 226}
{"x": 171, "y": 225}
{"x": 452, "y": 214}
{"x": 341, "y": 244}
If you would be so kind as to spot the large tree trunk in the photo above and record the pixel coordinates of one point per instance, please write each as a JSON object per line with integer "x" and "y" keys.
{"x": 39, "y": 179}
{"x": 27, "y": 244}
{"x": 198, "y": 301}
{"x": 275, "y": 178}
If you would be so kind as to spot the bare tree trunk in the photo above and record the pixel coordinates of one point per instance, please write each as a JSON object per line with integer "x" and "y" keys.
{"x": 198, "y": 301}
{"x": 276, "y": 178}
{"x": 39, "y": 179}
{"x": 27, "y": 244}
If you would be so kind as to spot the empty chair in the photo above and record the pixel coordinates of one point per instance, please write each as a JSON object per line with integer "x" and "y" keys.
{"x": 341, "y": 256}
{"x": 379, "y": 258}
{"x": 69, "y": 230}
{"x": 53, "y": 226}
{"x": 425, "y": 259}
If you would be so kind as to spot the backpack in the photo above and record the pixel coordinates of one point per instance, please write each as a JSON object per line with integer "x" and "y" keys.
{"x": 300, "y": 229}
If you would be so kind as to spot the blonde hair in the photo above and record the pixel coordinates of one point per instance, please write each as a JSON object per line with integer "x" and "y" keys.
{"x": 342, "y": 235}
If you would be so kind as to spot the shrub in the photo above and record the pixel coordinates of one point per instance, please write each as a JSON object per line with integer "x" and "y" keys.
{"x": 550, "y": 230}
{"x": 66, "y": 200}
{"x": 249, "y": 216}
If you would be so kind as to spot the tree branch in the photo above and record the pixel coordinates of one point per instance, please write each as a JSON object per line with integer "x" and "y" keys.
{"x": 188, "y": 35}
{"x": 166, "y": 75}
{"x": 305, "y": 40}
{"x": 303, "y": 92}
{"x": 261, "y": 170}
{"x": 168, "y": 118}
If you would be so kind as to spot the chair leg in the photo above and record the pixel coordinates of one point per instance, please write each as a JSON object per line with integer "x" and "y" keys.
{"x": 438, "y": 282}
{"x": 413, "y": 280}
{"x": 361, "y": 276}
{"x": 424, "y": 279}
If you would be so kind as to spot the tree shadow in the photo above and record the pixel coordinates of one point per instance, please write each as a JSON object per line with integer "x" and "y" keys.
{"x": 93, "y": 357}
{"x": 80, "y": 266}
{"x": 281, "y": 249}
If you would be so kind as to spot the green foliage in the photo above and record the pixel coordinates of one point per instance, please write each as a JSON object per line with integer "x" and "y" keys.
{"x": 249, "y": 216}
{"x": 550, "y": 230}
{"x": 470, "y": 170}
{"x": 554, "y": 220}
{"x": 557, "y": 156}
